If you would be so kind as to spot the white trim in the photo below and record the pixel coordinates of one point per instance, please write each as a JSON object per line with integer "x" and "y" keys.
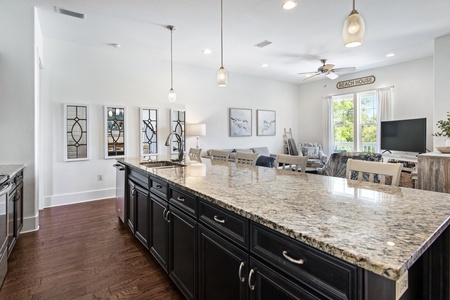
{"x": 30, "y": 224}
{"x": 65, "y": 199}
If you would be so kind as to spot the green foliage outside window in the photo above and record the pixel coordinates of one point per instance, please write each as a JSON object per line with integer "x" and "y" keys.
{"x": 343, "y": 112}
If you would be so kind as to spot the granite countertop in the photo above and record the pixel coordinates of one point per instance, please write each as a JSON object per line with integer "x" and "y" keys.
{"x": 10, "y": 170}
{"x": 382, "y": 229}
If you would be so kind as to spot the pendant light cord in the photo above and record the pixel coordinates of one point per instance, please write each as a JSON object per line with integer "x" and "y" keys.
{"x": 221, "y": 33}
{"x": 171, "y": 63}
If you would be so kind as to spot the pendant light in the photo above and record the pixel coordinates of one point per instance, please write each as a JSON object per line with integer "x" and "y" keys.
{"x": 354, "y": 29}
{"x": 222, "y": 76}
{"x": 172, "y": 95}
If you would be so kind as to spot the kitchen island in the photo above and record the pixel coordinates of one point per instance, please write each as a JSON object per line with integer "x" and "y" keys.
{"x": 389, "y": 235}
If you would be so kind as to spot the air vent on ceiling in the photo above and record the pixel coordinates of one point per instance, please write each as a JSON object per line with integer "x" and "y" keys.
{"x": 263, "y": 44}
{"x": 70, "y": 13}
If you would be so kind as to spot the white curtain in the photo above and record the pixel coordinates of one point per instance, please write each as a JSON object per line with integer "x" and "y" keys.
{"x": 384, "y": 104}
{"x": 328, "y": 146}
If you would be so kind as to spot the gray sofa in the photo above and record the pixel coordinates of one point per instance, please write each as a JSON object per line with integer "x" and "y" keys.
{"x": 260, "y": 150}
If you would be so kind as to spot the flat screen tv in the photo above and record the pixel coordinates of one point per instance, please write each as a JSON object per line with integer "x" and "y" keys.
{"x": 404, "y": 135}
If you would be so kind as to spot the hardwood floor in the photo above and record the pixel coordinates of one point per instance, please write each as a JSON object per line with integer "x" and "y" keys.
{"x": 82, "y": 251}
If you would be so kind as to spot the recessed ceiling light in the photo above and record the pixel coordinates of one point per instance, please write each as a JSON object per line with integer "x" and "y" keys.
{"x": 264, "y": 65}
{"x": 390, "y": 55}
{"x": 206, "y": 51}
{"x": 289, "y": 4}
{"x": 115, "y": 45}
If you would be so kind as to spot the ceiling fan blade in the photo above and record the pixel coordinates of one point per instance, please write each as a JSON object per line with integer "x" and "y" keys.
{"x": 350, "y": 69}
{"x": 309, "y": 77}
{"x": 331, "y": 75}
{"x": 305, "y": 73}
{"x": 328, "y": 67}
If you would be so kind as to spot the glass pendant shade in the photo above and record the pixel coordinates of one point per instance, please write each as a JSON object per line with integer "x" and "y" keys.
{"x": 172, "y": 96}
{"x": 354, "y": 29}
{"x": 222, "y": 77}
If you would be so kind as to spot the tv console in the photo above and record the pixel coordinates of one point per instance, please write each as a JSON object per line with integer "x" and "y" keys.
{"x": 408, "y": 177}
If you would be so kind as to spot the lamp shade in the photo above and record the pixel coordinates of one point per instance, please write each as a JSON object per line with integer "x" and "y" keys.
{"x": 354, "y": 29}
{"x": 222, "y": 77}
{"x": 196, "y": 129}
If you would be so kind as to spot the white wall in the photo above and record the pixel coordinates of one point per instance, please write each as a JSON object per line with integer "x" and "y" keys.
{"x": 17, "y": 113}
{"x": 108, "y": 76}
{"x": 441, "y": 84}
{"x": 413, "y": 96}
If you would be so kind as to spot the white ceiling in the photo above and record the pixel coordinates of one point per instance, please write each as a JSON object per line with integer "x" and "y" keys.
{"x": 300, "y": 37}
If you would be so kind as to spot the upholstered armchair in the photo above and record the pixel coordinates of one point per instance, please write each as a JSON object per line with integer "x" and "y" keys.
{"x": 314, "y": 152}
{"x": 337, "y": 164}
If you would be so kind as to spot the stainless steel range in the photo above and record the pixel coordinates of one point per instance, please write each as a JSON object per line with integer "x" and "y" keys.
{"x": 5, "y": 187}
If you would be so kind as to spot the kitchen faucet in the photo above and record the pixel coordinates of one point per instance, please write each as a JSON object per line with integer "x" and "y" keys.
{"x": 180, "y": 145}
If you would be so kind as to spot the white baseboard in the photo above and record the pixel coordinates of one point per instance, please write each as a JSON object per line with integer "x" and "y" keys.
{"x": 58, "y": 200}
{"x": 30, "y": 224}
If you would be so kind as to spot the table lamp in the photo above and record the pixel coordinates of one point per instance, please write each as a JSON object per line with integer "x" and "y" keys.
{"x": 196, "y": 130}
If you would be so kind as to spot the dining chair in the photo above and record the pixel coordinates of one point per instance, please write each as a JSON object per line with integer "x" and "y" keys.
{"x": 377, "y": 171}
{"x": 195, "y": 152}
{"x": 222, "y": 155}
{"x": 247, "y": 158}
{"x": 290, "y": 162}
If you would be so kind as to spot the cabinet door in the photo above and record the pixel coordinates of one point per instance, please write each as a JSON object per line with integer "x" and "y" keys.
{"x": 159, "y": 230}
{"x": 142, "y": 222}
{"x": 223, "y": 268}
{"x": 131, "y": 204}
{"x": 182, "y": 245}
{"x": 18, "y": 210}
{"x": 265, "y": 283}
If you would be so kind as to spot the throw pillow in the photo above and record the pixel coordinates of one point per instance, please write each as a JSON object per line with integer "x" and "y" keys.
{"x": 311, "y": 152}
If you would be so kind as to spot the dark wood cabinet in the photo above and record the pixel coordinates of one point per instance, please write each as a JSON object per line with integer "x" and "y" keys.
{"x": 142, "y": 223}
{"x": 182, "y": 251}
{"x": 15, "y": 210}
{"x": 137, "y": 206}
{"x": 223, "y": 268}
{"x": 266, "y": 284}
{"x": 159, "y": 228}
{"x": 131, "y": 206}
{"x": 329, "y": 276}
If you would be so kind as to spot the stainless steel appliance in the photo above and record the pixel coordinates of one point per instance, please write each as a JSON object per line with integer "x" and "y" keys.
{"x": 120, "y": 190}
{"x": 5, "y": 187}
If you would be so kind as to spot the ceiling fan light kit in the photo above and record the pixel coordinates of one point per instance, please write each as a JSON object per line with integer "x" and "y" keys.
{"x": 328, "y": 70}
{"x": 289, "y": 4}
{"x": 222, "y": 76}
{"x": 172, "y": 95}
{"x": 354, "y": 29}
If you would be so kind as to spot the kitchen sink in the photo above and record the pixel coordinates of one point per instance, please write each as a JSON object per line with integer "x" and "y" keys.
{"x": 161, "y": 164}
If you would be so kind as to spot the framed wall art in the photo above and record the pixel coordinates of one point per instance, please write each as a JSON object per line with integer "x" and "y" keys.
{"x": 240, "y": 122}
{"x": 76, "y": 132}
{"x": 265, "y": 122}
{"x": 177, "y": 125}
{"x": 115, "y": 138}
{"x": 149, "y": 131}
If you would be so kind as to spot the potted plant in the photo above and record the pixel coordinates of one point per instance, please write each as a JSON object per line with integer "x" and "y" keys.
{"x": 444, "y": 126}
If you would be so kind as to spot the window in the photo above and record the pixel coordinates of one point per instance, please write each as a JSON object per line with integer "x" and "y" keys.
{"x": 355, "y": 123}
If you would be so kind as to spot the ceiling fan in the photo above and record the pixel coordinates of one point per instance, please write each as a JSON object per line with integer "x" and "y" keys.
{"x": 327, "y": 70}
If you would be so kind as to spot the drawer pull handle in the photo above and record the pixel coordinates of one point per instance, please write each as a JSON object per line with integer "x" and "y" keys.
{"x": 164, "y": 214}
{"x": 168, "y": 216}
{"x": 181, "y": 199}
{"x": 250, "y": 285}
{"x": 218, "y": 220}
{"x": 242, "y": 279}
{"x": 158, "y": 186}
{"x": 133, "y": 192}
{"x": 294, "y": 261}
